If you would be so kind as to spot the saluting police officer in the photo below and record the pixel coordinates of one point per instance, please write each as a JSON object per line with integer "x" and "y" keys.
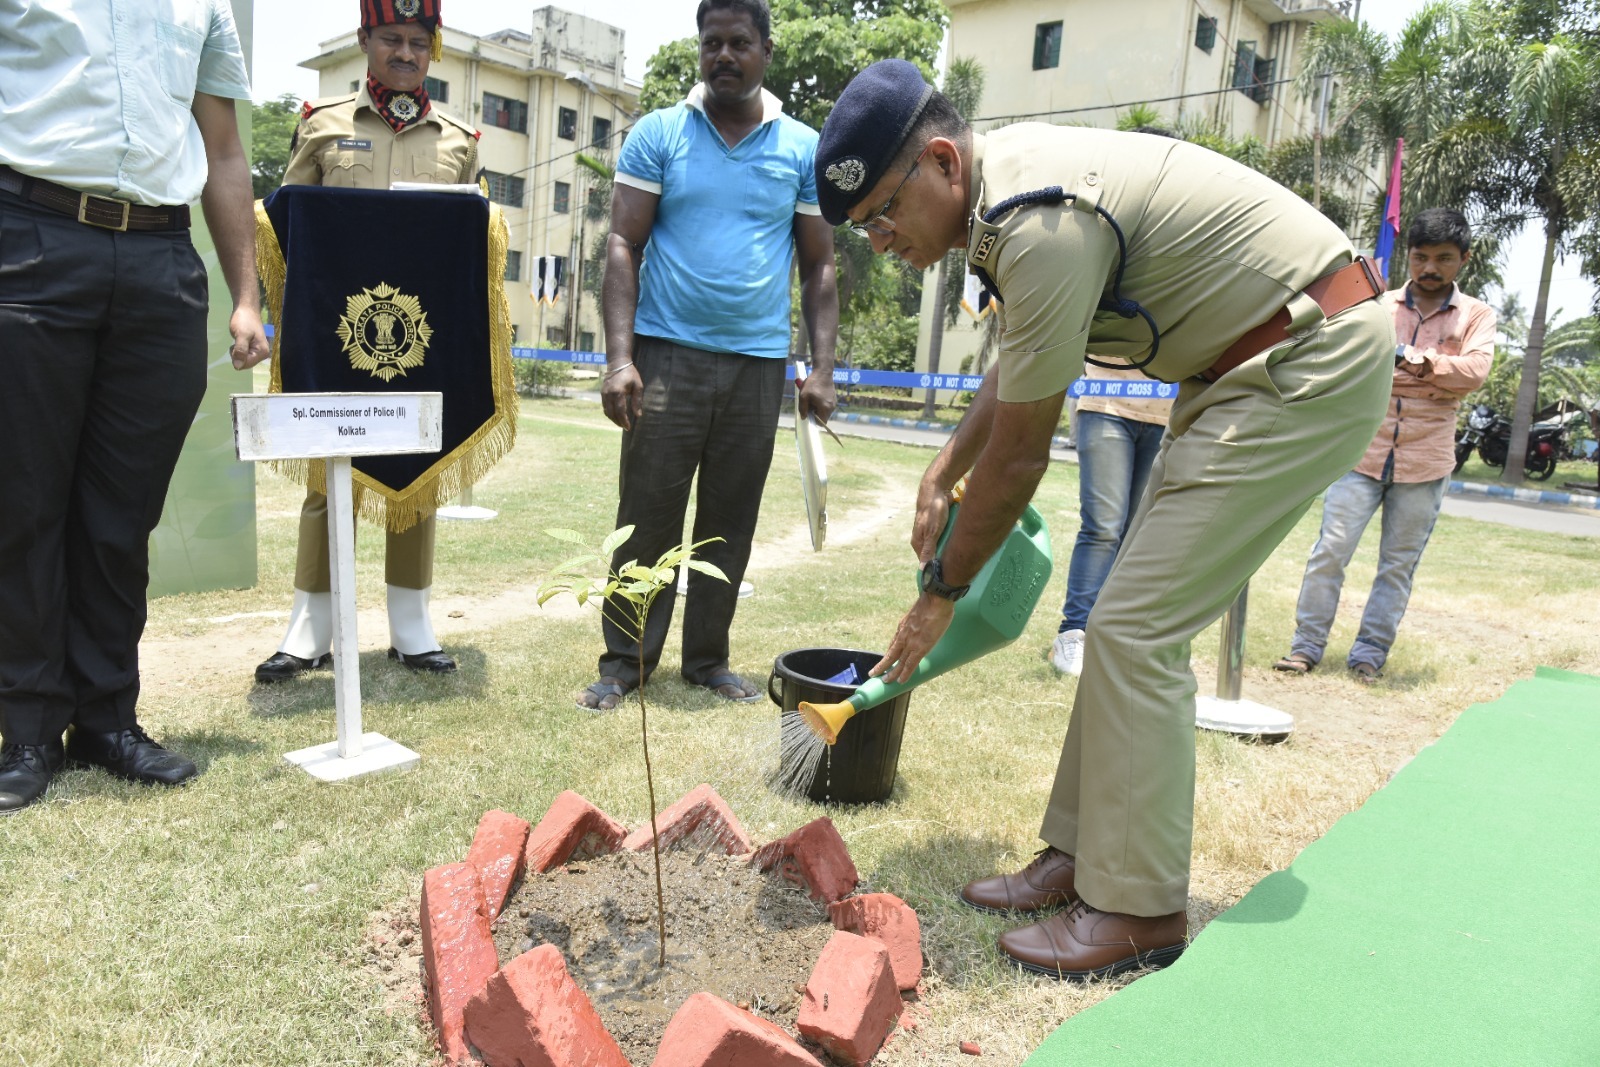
{"x": 386, "y": 131}
{"x": 1209, "y": 274}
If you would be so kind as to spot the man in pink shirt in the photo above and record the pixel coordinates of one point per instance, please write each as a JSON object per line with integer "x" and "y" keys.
{"x": 1446, "y": 346}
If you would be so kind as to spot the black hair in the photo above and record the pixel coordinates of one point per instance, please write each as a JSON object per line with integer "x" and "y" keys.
{"x": 1440, "y": 226}
{"x": 939, "y": 118}
{"x": 759, "y": 13}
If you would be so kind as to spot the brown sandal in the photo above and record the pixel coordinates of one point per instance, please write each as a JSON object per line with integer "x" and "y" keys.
{"x": 1295, "y": 663}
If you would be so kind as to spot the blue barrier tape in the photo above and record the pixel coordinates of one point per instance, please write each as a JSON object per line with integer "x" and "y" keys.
{"x": 967, "y": 383}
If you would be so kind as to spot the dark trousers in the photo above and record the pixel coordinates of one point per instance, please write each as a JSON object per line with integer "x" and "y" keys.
{"x": 712, "y": 412}
{"x": 102, "y": 367}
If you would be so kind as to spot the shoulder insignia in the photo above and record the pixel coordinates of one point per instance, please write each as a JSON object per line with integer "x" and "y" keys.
{"x": 445, "y": 116}
{"x": 305, "y": 111}
{"x": 313, "y": 106}
{"x": 477, "y": 135}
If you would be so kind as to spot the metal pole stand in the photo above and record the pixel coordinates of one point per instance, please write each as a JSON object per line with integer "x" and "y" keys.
{"x": 1226, "y": 712}
{"x": 465, "y": 509}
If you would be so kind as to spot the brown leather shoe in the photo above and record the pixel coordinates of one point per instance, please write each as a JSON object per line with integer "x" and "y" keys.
{"x": 1044, "y": 883}
{"x": 1082, "y": 943}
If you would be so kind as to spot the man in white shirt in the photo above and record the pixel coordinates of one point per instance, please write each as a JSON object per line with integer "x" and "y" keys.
{"x": 113, "y": 118}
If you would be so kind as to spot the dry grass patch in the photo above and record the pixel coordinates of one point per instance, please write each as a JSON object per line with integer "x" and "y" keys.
{"x": 234, "y": 921}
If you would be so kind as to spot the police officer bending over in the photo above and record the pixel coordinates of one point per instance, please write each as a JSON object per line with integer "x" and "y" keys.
{"x": 1207, "y": 273}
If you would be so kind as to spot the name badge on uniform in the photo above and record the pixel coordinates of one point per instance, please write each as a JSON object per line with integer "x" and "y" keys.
{"x": 358, "y": 144}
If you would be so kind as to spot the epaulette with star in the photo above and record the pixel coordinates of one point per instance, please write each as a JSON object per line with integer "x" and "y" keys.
{"x": 446, "y": 116}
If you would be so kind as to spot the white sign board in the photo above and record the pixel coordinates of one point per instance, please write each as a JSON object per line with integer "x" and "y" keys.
{"x": 326, "y": 425}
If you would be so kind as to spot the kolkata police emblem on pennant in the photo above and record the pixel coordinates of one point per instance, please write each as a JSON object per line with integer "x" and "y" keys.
{"x": 384, "y": 331}
{"x": 407, "y": 8}
{"x": 847, "y": 174}
{"x": 404, "y": 107}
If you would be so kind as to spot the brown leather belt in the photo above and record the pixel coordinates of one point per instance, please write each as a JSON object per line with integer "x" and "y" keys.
{"x": 104, "y": 211}
{"x": 1352, "y": 284}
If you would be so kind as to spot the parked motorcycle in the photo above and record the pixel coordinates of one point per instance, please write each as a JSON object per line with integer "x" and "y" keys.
{"x": 1490, "y": 433}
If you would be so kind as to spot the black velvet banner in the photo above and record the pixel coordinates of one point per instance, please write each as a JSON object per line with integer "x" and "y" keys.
{"x": 389, "y": 291}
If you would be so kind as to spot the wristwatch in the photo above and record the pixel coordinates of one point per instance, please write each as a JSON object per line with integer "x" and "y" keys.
{"x": 932, "y": 581}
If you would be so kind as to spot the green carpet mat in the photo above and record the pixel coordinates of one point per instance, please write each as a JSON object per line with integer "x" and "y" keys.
{"x": 1453, "y": 919}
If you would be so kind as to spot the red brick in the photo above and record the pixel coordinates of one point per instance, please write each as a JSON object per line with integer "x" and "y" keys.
{"x": 851, "y": 1002}
{"x": 532, "y": 1014}
{"x": 709, "y": 1032}
{"x": 497, "y": 851}
{"x": 458, "y": 954}
{"x": 572, "y": 827}
{"x": 700, "y": 815}
{"x": 885, "y": 917}
{"x": 814, "y": 856}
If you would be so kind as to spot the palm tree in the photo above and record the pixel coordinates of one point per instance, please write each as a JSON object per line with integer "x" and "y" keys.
{"x": 1523, "y": 135}
{"x": 963, "y": 86}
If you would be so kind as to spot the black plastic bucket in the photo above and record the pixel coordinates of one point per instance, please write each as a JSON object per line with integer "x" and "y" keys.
{"x": 862, "y": 765}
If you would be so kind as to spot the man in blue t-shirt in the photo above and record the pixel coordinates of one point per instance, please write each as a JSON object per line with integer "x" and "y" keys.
{"x": 714, "y": 198}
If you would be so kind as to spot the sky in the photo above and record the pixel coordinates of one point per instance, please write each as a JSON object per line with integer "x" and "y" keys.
{"x": 282, "y": 41}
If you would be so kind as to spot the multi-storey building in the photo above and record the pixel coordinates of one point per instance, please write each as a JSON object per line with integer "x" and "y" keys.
{"x": 1225, "y": 64}
{"x": 540, "y": 99}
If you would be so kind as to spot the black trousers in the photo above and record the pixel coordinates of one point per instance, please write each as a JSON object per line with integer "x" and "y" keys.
{"x": 102, "y": 368}
{"x": 716, "y": 413}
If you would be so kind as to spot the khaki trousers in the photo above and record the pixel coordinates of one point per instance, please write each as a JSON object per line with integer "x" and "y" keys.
{"x": 1242, "y": 461}
{"x": 408, "y": 556}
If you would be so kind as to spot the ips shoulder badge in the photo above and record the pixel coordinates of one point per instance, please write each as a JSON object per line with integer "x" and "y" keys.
{"x": 384, "y": 331}
{"x": 981, "y": 243}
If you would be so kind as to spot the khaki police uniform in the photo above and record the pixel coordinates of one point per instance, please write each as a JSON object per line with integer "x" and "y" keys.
{"x": 343, "y": 142}
{"x": 1213, "y": 249}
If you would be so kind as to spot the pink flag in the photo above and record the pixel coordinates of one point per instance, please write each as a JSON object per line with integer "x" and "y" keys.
{"x": 1389, "y": 229}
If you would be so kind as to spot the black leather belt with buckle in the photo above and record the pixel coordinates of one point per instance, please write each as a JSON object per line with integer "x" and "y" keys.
{"x": 106, "y": 212}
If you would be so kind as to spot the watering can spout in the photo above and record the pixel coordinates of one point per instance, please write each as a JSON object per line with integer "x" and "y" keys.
{"x": 826, "y": 720}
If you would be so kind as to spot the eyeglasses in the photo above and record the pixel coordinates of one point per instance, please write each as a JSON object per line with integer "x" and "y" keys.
{"x": 879, "y": 221}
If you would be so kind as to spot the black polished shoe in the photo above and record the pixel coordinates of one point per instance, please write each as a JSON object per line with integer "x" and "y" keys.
{"x": 435, "y": 662}
{"x": 129, "y": 754}
{"x": 283, "y": 666}
{"x": 25, "y": 772}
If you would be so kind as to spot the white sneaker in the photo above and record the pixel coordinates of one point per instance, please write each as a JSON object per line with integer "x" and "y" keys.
{"x": 1066, "y": 654}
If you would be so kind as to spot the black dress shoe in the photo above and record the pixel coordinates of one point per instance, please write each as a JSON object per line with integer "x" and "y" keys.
{"x": 282, "y": 666}
{"x": 25, "y": 772}
{"x": 435, "y": 662}
{"x": 129, "y": 754}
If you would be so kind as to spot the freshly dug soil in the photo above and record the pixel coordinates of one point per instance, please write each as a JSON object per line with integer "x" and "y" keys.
{"x": 749, "y": 938}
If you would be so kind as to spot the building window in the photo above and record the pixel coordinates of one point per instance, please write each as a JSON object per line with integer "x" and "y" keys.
{"x": 1244, "y": 66}
{"x": 586, "y": 340}
{"x": 1205, "y": 34}
{"x": 1266, "y": 74}
{"x": 601, "y": 133}
{"x": 438, "y": 91}
{"x": 504, "y": 188}
{"x": 505, "y": 113}
{"x": 563, "y": 201}
{"x": 567, "y": 124}
{"x": 1046, "y": 45}
{"x": 556, "y": 337}
{"x": 513, "y": 266}
{"x": 354, "y": 86}
{"x": 513, "y": 333}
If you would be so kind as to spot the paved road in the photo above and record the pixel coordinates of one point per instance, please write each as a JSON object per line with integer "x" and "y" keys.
{"x": 1575, "y": 521}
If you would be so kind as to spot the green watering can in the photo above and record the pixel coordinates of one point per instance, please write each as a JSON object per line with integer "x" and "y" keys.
{"x": 992, "y": 615}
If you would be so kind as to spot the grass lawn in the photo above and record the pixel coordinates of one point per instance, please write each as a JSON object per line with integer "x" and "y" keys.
{"x": 222, "y": 923}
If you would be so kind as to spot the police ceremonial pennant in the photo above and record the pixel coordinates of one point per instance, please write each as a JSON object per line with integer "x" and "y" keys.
{"x": 374, "y": 290}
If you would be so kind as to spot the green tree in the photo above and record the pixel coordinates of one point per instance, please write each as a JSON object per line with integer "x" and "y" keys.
{"x": 1519, "y": 142}
{"x": 817, "y": 47}
{"x": 963, "y": 87}
{"x": 272, "y": 128}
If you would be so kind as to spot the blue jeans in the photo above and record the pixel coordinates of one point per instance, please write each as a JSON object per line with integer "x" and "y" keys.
{"x": 1114, "y": 458}
{"x": 1409, "y": 512}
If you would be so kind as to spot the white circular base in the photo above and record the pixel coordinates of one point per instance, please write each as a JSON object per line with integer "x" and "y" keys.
{"x": 745, "y": 588}
{"x": 467, "y": 512}
{"x": 1243, "y": 718}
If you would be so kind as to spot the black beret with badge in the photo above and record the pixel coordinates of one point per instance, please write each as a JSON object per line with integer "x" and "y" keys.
{"x": 864, "y": 133}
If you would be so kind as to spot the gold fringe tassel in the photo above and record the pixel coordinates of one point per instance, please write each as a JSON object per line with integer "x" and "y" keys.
{"x": 436, "y": 44}
{"x": 442, "y": 484}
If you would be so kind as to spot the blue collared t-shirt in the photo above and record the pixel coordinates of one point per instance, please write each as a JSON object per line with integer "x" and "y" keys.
{"x": 715, "y": 274}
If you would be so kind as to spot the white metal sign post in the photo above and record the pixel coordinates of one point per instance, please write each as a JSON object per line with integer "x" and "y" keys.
{"x": 334, "y": 427}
